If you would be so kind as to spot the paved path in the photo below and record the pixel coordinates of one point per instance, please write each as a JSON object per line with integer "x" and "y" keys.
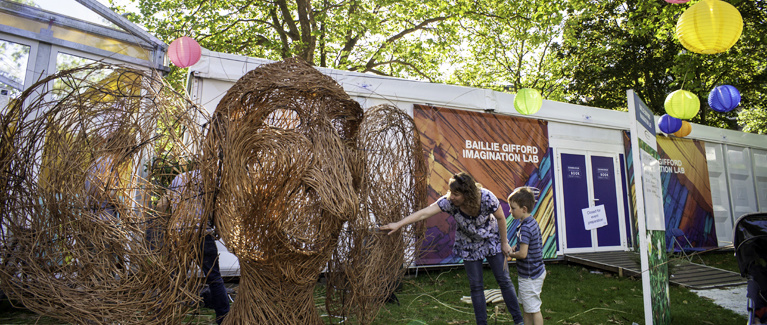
{"x": 732, "y": 298}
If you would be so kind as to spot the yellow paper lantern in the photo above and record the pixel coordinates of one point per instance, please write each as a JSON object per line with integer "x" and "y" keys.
{"x": 682, "y": 104}
{"x": 709, "y": 27}
{"x": 684, "y": 130}
{"x": 528, "y": 101}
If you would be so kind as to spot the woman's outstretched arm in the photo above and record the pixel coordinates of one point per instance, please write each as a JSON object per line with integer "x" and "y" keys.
{"x": 414, "y": 217}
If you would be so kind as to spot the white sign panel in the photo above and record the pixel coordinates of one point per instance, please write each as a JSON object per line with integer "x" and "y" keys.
{"x": 653, "y": 192}
{"x": 649, "y": 199}
{"x": 594, "y": 217}
{"x": 645, "y": 148}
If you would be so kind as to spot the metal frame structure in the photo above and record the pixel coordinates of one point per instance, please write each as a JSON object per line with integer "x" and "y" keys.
{"x": 44, "y": 41}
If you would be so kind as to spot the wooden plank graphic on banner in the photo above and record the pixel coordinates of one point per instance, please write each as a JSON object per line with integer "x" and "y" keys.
{"x": 501, "y": 152}
{"x": 687, "y": 192}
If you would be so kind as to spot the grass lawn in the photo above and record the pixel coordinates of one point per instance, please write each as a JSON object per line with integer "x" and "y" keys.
{"x": 572, "y": 294}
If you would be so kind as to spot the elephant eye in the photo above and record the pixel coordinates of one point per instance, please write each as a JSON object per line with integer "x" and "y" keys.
{"x": 286, "y": 119}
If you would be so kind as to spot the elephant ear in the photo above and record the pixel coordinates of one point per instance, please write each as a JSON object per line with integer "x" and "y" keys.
{"x": 368, "y": 265}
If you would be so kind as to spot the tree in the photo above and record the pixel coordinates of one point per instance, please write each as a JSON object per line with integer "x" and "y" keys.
{"x": 753, "y": 114}
{"x": 610, "y": 47}
{"x": 579, "y": 51}
{"x": 512, "y": 45}
{"x": 396, "y": 38}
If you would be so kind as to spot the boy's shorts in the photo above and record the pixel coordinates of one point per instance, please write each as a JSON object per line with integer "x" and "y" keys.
{"x": 530, "y": 293}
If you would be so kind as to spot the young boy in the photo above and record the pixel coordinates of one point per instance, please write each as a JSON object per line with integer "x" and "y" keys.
{"x": 529, "y": 255}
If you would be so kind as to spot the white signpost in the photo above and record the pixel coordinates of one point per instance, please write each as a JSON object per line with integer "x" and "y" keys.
{"x": 650, "y": 217}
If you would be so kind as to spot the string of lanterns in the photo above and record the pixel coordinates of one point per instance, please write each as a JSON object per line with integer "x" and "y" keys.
{"x": 707, "y": 27}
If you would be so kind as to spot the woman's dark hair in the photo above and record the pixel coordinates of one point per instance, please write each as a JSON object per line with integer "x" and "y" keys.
{"x": 463, "y": 183}
{"x": 523, "y": 197}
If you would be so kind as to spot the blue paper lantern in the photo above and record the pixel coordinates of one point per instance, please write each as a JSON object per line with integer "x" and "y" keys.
{"x": 669, "y": 124}
{"x": 724, "y": 98}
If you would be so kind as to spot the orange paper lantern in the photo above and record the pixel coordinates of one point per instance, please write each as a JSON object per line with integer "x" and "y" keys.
{"x": 684, "y": 130}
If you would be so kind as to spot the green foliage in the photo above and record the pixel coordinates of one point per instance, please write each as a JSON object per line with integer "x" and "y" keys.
{"x": 754, "y": 120}
{"x": 579, "y": 51}
{"x": 610, "y": 47}
{"x": 512, "y": 46}
{"x": 400, "y": 38}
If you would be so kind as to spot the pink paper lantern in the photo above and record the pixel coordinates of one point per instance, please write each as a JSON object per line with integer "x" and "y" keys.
{"x": 677, "y": 1}
{"x": 184, "y": 52}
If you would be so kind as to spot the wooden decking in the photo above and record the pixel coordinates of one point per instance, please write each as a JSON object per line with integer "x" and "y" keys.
{"x": 691, "y": 275}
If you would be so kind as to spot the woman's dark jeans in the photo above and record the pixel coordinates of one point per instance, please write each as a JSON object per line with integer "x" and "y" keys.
{"x": 219, "y": 297}
{"x": 476, "y": 284}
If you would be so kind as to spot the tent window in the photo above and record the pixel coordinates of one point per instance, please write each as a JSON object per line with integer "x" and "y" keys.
{"x": 66, "y": 61}
{"x": 13, "y": 67}
{"x": 62, "y": 7}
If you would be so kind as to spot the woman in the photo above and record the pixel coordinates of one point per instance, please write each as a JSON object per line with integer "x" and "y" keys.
{"x": 481, "y": 234}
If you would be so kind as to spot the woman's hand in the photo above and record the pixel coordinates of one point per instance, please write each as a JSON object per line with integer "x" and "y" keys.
{"x": 414, "y": 217}
{"x": 392, "y": 227}
{"x": 507, "y": 250}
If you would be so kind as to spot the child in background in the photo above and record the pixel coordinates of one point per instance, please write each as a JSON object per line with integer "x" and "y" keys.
{"x": 529, "y": 255}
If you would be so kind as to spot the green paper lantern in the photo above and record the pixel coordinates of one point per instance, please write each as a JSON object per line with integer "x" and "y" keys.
{"x": 682, "y": 104}
{"x": 528, "y": 101}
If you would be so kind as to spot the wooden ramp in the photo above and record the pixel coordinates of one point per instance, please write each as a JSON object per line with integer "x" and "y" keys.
{"x": 691, "y": 275}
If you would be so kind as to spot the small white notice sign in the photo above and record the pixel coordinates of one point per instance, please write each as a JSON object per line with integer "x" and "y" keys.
{"x": 594, "y": 217}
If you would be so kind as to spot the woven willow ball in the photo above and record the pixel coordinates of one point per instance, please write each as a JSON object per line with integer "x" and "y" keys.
{"x": 709, "y": 27}
{"x": 682, "y": 104}
{"x": 82, "y": 241}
